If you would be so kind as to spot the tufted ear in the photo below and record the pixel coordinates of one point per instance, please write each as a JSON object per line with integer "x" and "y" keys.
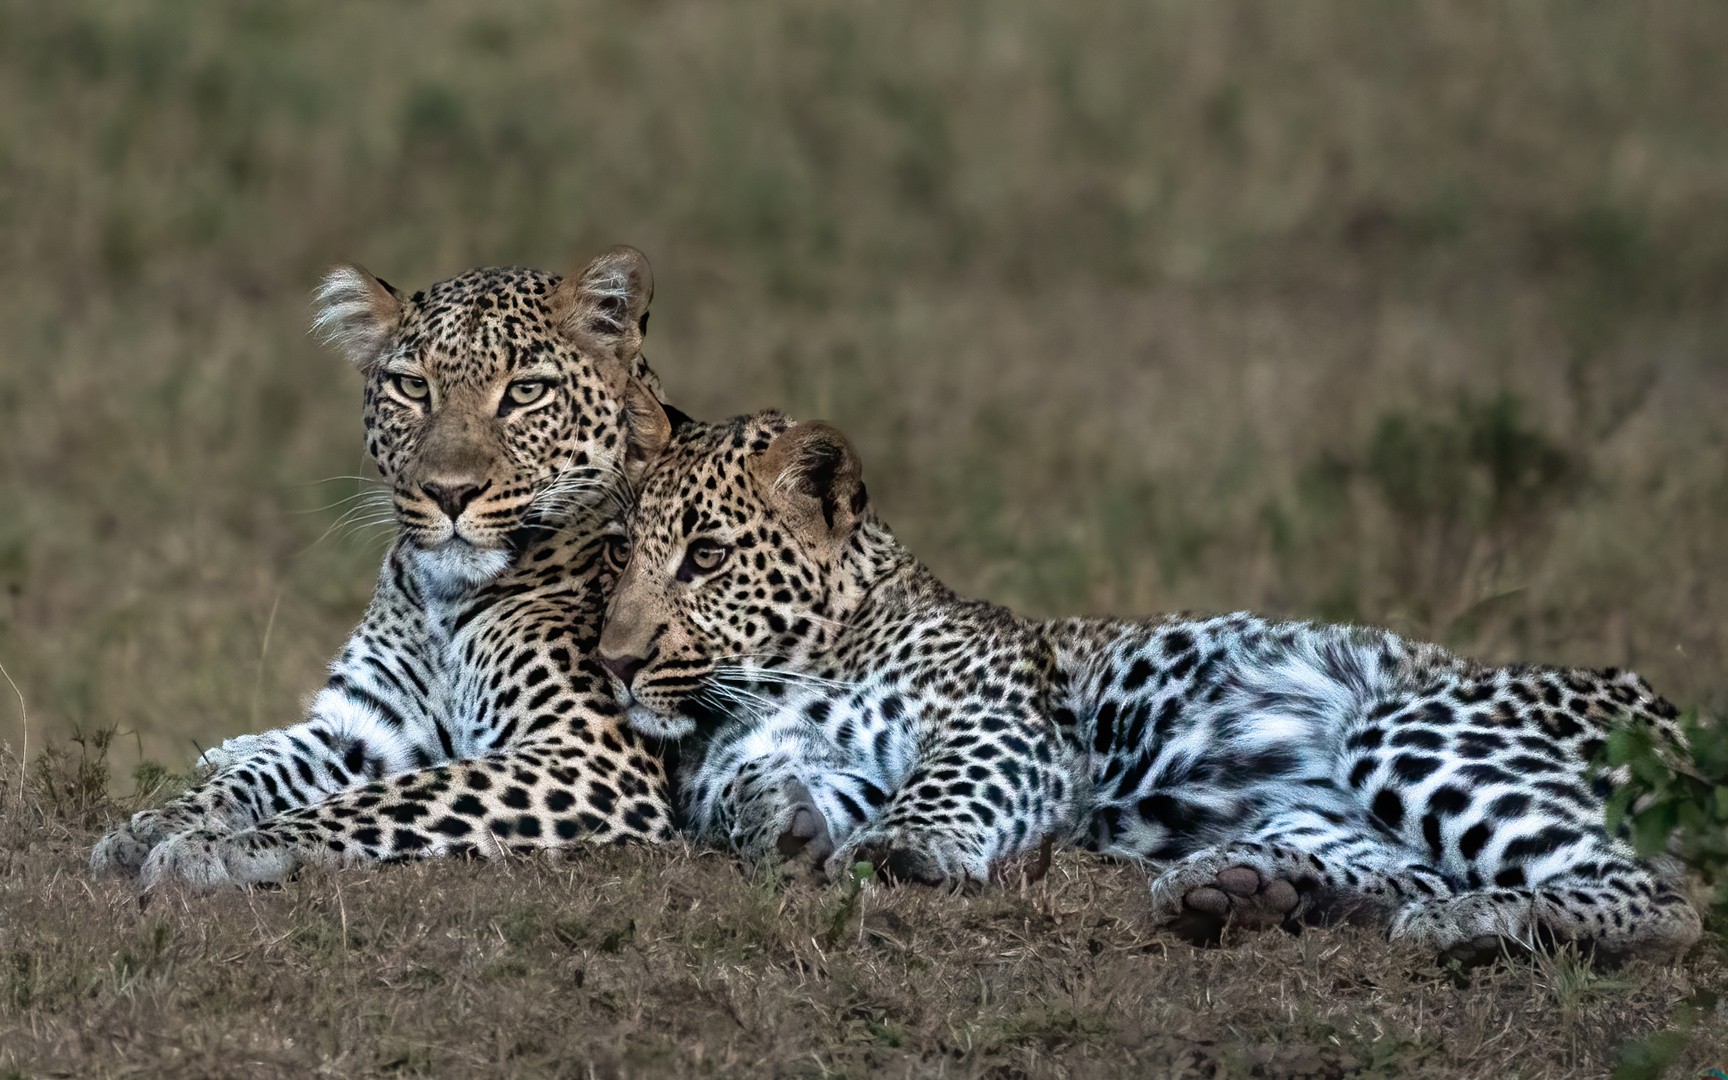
{"x": 356, "y": 313}
{"x": 603, "y": 307}
{"x": 647, "y": 430}
{"x": 814, "y": 477}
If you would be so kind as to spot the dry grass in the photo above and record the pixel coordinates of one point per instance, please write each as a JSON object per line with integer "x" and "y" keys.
{"x": 1412, "y": 314}
{"x": 630, "y": 962}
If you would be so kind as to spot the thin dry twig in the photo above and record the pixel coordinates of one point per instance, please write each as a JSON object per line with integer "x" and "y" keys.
{"x": 24, "y": 719}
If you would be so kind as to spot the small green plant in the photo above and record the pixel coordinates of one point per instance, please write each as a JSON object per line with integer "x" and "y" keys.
{"x": 571, "y": 932}
{"x": 404, "y": 1058}
{"x": 520, "y": 926}
{"x": 1676, "y": 800}
{"x": 148, "y": 955}
{"x": 847, "y": 908}
{"x": 20, "y": 988}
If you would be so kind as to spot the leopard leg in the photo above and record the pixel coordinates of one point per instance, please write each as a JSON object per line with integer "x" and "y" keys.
{"x": 1294, "y": 867}
{"x": 1301, "y": 867}
{"x": 540, "y": 795}
{"x": 775, "y": 818}
{"x": 777, "y": 793}
{"x": 345, "y": 743}
{"x": 1596, "y": 897}
{"x": 959, "y": 814}
{"x": 1522, "y": 836}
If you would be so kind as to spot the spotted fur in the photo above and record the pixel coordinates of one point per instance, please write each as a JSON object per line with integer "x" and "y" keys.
{"x": 466, "y": 712}
{"x": 836, "y": 702}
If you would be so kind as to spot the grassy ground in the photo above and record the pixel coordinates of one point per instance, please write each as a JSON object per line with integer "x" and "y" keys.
{"x": 1410, "y": 314}
{"x": 626, "y": 962}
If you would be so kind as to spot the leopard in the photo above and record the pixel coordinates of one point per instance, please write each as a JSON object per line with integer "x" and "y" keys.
{"x": 834, "y": 704}
{"x": 466, "y": 714}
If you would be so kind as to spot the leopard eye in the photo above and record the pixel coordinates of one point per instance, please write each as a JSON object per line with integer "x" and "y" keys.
{"x": 525, "y": 392}
{"x": 703, "y": 557}
{"x": 617, "y": 552}
{"x": 412, "y": 387}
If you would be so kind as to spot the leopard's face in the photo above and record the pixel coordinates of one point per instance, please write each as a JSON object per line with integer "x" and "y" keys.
{"x": 494, "y": 400}
{"x": 727, "y": 570}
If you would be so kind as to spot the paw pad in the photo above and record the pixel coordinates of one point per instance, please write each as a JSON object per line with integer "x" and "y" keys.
{"x": 1237, "y": 897}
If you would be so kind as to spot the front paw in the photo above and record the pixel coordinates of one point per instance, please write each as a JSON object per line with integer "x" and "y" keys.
{"x": 124, "y": 851}
{"x": 195, "y": 858}
{"x": 804, "y": 842}
{"x": 119, "y": 854}
{"x": 207, "y": 859}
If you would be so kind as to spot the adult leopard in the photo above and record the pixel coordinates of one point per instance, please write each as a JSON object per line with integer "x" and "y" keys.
{"x": 837, "y": 702}
{"x": 466, "y": 712}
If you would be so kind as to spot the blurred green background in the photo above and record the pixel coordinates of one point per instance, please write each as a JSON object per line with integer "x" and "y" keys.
{"x": 1414, "y": 313}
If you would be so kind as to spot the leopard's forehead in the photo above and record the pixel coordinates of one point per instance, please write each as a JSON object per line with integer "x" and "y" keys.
{"x": 704, "y": 483}
{"x": 482, "y": 323}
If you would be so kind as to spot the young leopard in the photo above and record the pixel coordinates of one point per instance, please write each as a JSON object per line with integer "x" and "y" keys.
{"x": 466, "y": 712}
{"x": 837, "y": 702}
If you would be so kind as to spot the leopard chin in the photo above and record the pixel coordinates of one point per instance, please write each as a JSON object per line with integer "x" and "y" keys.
{"x": 456, "y": 566}
{"x": 652, "y": 724}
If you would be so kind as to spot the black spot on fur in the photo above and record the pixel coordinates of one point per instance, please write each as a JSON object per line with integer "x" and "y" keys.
{"x": 1137, "y": 675}
{"x": 1413, "y": 767}
{"x": 1470, "y": 844}
{"x": 1431, "y": 834}
{"x": 1389, "y": 809}
{"x": 1362, "y": 771}
{"x": 1448, "y": 800}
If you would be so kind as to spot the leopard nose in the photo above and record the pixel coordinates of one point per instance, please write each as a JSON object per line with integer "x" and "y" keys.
{"x": 625, "y": 667}
{"x": 453, "y": 498}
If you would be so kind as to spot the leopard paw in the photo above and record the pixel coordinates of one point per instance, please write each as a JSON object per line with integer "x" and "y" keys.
{"x": 805, "y": 841}
{"x": 207, "y": 859}
{"x": 120, "y": 854}
{"x": 1202, "y": 896}
{"x": 899, "y": 863}
{"x": 123, "y": 852}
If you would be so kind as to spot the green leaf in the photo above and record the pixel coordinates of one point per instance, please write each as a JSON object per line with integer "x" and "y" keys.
{"x": 1618, "y": 806}
{"x": 1624, "y": 744}
{"x": 1651, "y": 771}
{"x": 1651, "y": 828}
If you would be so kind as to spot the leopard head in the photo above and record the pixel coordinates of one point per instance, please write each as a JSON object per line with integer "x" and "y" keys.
{"x": 496, "y": 400}
{"x": 746, "y": 551}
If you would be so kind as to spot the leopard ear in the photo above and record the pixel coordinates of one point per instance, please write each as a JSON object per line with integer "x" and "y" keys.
{"x": 647, "y": 430}
{"x": 603, "y": 307}
{"x": 357, "y": 313}
{"x": 813, "y": 475}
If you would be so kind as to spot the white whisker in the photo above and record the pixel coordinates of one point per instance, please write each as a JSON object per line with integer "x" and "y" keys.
{"x": 333, "y": 479}
{"x": 373, "y": 496}
{"x": 730, "y": 699}
{"x": 576, "y": 490}
{"x": 782, "y": 676}
{"x": 367, "y": 515}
